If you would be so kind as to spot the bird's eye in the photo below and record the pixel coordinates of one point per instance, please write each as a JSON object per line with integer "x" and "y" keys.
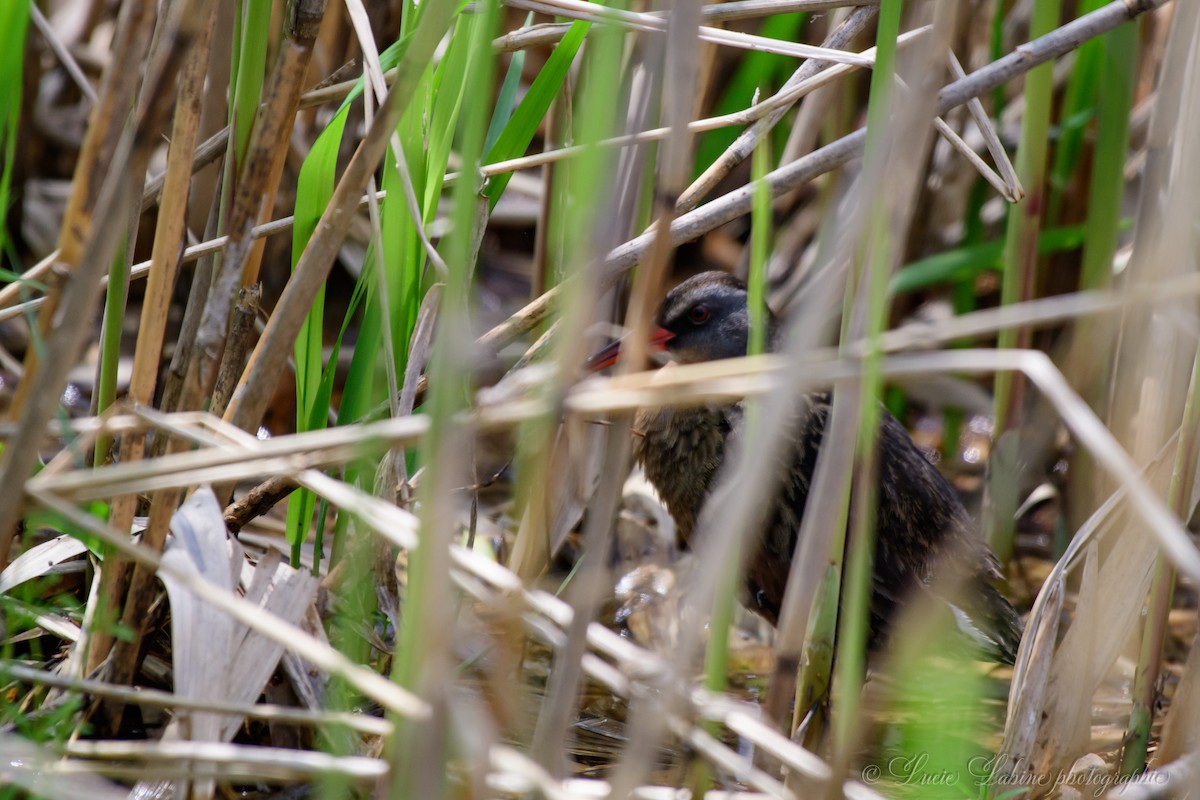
{"x": 698, "y": 314}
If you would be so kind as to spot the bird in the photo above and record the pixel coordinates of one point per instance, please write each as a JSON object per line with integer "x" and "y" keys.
{"x": 921, "y": 526}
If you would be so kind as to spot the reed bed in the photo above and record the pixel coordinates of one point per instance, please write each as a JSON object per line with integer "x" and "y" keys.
{"x": 307, "y": 491}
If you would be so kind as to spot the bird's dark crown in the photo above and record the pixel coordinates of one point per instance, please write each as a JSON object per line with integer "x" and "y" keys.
{"x": 708, "y": 318}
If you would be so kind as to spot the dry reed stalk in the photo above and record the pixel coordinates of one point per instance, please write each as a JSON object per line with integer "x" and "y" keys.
{"x": 679, "y": 66}
{"x": 496, "y": 586}
{"x": 1008, "y": 174}
{"x": 281, "y": 98}
{"x": 825, "y": 517}
{"x": 389, "y": 518}
{"x": 239, "y": 762}
{"x": 562, "y": 481}
{"x": 1179, "y": 735}
{"x": 541, "y": 264}
{"x": 63, "y": 54}
{"x": 582, "y": 10}
{"x": 208, "y": 151}
{"x": 258, "y": 501}
{"x": 1043, "y": 312}
{"x": 164, "y": 265}
{"x": 97, "y": 164}
{"x": 779, "y": 103}
{"x": 153, "y": 698}
{"x": 46, "y": 775}
{"x": 1151, "y": 391}
{"x": 641, "y": 389}
{"x": 106, "y": 124}
{"x": 257, "y": 183}
{"x": 215, "y": 146}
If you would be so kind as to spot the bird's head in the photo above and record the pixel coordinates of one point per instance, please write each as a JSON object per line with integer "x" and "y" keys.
{"x": 705, "y": 318}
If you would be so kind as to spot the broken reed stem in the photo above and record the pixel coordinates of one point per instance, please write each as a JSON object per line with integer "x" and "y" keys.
{"x": 257, "y": 501}
{"x": 237, "y": 347}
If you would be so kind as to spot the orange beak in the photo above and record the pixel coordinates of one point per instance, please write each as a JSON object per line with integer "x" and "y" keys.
{"x": 612, "y": 354}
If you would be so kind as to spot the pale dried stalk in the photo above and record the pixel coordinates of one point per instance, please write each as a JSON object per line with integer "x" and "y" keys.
{"x": 1150, "y": 379}
{"x": 497, "y": 587}
{"x": 238, "y": 762}
{"x": 258, "y": 182}
{"x": 63, "y": 54}
{"x": 154, "y": 698}
{"x": 1090, "y": 432}
{"x": 205, "y": 154}
{"x": 43, "y": 774}
{"x": 578, "y": 9}
{"x": 237, "y": 347}
{"x": 1015, "y": 191}
{"x": 543, "y": 525}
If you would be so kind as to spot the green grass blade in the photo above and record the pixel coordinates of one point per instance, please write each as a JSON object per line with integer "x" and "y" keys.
{"x": 1108, "y": 167}
{"x": 450, "y": 77}
{"x": 520, "y": 129}
{"x": 1078, "y": 109}
{"x": 14, "y": 22}
{"x": 853, "y": 626}
{"x": 249, "y": 71}
{"x": 313, "y": 190}
{"x": 760, "y": 244}
{"x": 962, "y": 264}
{"x": 313, "y": 383}
{"x": 1024, "y": 219}
{"x": 507, "y": 96}
{"x": 115, "y": 295}
{"x": 402, "y": 260}
{"x": 427, "y": 607}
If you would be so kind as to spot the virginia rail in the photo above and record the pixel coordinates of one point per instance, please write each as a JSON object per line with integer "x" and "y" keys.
{"x": 921, "y": 526}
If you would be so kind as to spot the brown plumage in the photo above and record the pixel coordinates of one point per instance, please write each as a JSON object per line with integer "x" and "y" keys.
{"x": 921, "y": 526}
